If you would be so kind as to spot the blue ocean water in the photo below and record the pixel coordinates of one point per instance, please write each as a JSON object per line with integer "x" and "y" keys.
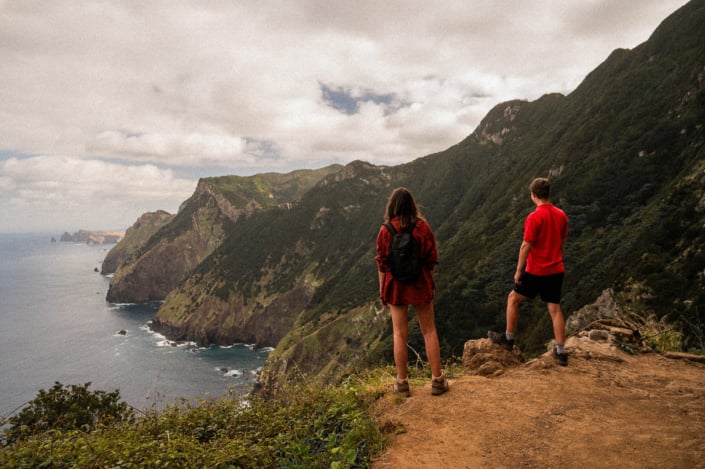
{"x": 55, "y": 325}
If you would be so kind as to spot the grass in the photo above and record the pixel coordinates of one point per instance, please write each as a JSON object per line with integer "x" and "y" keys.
{"x": 301, "y": 426}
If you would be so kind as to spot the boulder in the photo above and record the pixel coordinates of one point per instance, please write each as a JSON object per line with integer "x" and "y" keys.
{"x": 485, "y": 358}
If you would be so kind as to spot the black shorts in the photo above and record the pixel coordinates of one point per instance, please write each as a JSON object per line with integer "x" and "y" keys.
{"x": 548, "y": 286}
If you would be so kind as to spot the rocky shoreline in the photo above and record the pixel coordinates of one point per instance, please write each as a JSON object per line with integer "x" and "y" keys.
{"x": 93, "y": 237}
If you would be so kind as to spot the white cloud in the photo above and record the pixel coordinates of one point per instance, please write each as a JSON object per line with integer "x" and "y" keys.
{"x": 208, "y": 87}
{"x": 50, "y": 192}
{"x": 176, "y": 149}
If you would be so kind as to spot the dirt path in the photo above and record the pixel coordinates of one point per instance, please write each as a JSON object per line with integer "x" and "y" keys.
{"x": 617, "y": 410}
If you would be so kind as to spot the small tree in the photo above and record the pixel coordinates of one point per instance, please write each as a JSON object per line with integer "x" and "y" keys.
{"x": 72, "y": 407}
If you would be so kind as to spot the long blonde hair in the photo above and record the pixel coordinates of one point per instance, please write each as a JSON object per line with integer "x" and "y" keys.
{"x": 401, "y": 204}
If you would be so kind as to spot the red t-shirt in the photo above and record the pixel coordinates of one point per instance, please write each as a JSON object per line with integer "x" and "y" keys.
{"x": 417, "y": 293}
{"x": 546, "y": 228}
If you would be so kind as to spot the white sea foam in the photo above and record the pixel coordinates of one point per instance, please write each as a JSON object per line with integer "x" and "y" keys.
{"x": 173, "y": 343}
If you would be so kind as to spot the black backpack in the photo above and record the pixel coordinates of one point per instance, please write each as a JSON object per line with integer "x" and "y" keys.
{"x": 404, "y": 254}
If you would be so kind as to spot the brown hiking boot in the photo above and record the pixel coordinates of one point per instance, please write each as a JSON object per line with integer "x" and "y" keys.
{"x": 402, "y": 388}
{"x": 439, "y": 386}
{"x": 500, "y": 338}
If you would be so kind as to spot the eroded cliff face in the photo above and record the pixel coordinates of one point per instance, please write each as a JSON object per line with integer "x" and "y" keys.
{"x": 224, "y": 322}
{"x": 294, "y": 278}
{"x": 135, "y": 238}
{"x": 169, "y": 255}
{"x": 163, "y": 250}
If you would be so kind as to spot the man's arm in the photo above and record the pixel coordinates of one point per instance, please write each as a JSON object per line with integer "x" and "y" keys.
{"x": 521, "y": 263}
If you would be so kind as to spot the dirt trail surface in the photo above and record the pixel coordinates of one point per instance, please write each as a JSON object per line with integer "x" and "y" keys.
{"x": 606, "y": 409}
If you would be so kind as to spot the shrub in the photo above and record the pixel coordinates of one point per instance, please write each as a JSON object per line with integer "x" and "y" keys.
{"x": 64, "y": 408}
{"x": 301, "y": 426}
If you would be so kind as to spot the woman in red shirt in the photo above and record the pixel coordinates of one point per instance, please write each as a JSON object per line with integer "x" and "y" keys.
{"x": 402, "y": 212}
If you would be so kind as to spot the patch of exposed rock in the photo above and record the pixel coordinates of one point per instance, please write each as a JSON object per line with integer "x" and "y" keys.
{"x": 485, "y": 358}
{"x": 171, "y": 255}
{"x": 602, "y": 342}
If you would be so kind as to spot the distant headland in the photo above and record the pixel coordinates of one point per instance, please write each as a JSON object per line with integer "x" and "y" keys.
{"x": 93, "y": 237}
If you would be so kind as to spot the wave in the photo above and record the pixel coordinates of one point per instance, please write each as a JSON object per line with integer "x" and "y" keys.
{"x": 229, "y": 372}
{"x": 163, "y": 341}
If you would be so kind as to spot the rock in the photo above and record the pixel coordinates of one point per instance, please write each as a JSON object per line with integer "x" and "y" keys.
{"x": 485, "y": 358}
{"x": 598, "y": 335}
{"x": 93, "y": 237}
{"x": 583, "y": 347}
{"x": 605, "y": 306}
{"x": 122, "y": 332}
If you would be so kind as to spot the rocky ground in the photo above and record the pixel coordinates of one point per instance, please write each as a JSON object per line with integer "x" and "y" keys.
{"x": 607, "y": 408}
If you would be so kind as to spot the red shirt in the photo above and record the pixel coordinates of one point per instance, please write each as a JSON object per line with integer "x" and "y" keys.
{"x": 546, "y": 228}
{"x": 417, "y": 293}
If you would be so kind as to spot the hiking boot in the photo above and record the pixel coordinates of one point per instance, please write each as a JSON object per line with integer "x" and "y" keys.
{"x": 561, "y": 358}
{"x": 439, "y": 386}
{"x": 500, "y": 338}
{"x": 402, "y": 388}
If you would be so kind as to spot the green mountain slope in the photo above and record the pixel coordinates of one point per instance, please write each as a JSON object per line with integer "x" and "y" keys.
{"x": 165, "y": 257}
{"x": 625, "y": 152}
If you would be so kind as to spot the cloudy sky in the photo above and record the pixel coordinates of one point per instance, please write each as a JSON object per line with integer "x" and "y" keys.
{"x": 110, "y": 108}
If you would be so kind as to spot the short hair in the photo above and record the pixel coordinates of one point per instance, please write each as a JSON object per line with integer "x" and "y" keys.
{"x": 541, "y": 188}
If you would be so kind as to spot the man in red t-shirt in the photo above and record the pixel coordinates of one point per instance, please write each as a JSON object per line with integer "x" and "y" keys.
{"x": 539, "y": 268}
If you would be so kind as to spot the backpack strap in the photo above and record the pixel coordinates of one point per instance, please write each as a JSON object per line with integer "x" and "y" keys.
{"x": 393, "y": 230}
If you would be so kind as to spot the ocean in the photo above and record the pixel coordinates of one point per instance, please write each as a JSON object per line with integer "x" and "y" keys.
{"x": 55, "y": 325}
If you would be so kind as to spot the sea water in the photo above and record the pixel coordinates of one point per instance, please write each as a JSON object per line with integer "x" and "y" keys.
{"x": 55, "y": 325}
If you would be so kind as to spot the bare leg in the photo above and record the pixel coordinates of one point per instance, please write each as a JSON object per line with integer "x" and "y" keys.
{"x": 513, "y": 301}
{"x": 554, "y": 309}
{"x": 427, "y": 322}
{"x": 400, "y": 326}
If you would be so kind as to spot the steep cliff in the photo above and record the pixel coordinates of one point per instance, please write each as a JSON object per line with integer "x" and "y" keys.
{"x": 625, "y": 152}
{"x": 254, "y": 287}
{"x": 200, "y": 225}
{"x": 135, "y": 238}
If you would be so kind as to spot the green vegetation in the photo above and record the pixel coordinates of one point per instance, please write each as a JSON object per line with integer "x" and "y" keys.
{"x": 66, "y": 409}
{"x": 626, "y": 156}
{"x": 309, "y": 427}
{"x": 295, "y": 425}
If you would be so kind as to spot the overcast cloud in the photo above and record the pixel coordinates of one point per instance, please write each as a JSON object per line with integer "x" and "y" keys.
{"x": 110, "y": 108}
